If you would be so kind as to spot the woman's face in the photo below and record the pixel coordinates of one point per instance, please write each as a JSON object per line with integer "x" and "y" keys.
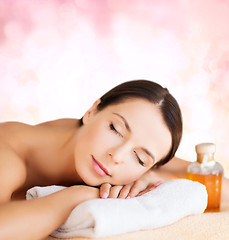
{"x": 120, "y": 143}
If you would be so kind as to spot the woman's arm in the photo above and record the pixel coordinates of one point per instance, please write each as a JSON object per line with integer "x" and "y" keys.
{"x": 37, "y": 218}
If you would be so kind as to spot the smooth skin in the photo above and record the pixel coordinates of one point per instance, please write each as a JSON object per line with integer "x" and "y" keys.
{"x": 62, "y": 153}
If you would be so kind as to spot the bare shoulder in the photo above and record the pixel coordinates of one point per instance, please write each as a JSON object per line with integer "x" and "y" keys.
{"x": 16, "y": 141}
{"x": 62, "y": 122}
{"x": 12, "y": 166}
{"x": 25, "y": 148}
{"x": 9, "y": 127}
{"x": 18, "y": 134}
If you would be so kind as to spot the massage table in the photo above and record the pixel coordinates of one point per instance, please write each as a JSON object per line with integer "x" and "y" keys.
{"x": 206, "y": 226}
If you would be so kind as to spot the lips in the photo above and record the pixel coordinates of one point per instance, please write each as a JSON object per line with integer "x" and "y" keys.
{"x": 99, "y": 168}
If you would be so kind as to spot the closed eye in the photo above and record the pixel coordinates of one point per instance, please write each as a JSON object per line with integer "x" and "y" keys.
{"x": 112, "y": 128}
{"x": 139, "y": 160}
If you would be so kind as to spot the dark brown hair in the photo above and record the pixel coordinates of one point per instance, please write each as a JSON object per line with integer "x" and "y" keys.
{"x": 156, "y": 94}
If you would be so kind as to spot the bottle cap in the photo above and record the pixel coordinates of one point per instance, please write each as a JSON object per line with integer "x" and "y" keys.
{"x": 204, "y": 148}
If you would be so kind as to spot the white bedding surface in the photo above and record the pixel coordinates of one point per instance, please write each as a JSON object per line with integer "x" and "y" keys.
{"x": 207, "y": 226}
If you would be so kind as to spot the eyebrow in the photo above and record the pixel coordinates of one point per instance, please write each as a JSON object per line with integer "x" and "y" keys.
{"x": 124, "y": 120}
{"x": 149, "y": 153}
{"x": 129, "y": 130}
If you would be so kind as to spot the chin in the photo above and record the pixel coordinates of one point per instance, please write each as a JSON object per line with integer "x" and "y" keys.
{"x": 90, "y": 181}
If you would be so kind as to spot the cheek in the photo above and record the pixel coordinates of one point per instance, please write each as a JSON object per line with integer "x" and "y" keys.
{"x": 91, "y": 133}
{"x": 100, "y": 135}
{"x": 96, "y": 138}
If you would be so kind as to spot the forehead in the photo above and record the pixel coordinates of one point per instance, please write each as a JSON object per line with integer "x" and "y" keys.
{"x": 148, "y": 128}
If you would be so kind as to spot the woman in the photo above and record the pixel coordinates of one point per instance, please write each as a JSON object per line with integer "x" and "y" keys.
{"x": 110, "y": 152}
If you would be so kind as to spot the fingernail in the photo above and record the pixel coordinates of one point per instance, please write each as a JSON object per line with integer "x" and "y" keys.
{"x": 128, "y": 197}
{"x": 152, "y": 188}
{"x": 158, "y": 183}
{"x": 105, "y": 195}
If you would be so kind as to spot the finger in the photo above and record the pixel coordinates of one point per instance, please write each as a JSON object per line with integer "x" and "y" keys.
{"x": 150, "y": 188}
{"x": 145, "y": 191}
{"x": 114, "y": 191}
{"x": 104, "y": 190}
{"x": 125, "y": 191}
{"x": 156, "y": 185}
{"x": 137, "y": 187}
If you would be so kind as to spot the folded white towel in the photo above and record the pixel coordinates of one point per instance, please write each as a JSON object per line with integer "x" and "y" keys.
{"x": 105, "y": 217}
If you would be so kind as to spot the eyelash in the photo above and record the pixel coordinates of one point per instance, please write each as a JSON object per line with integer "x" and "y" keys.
{"x": 139, "y": 160}
{"x": 112, "y": 128}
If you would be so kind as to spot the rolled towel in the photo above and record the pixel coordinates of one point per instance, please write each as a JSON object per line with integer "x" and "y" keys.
{"x": 166, "y": 204}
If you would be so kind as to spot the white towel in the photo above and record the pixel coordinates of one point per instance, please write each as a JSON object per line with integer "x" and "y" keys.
{"x": 164, "y": 205}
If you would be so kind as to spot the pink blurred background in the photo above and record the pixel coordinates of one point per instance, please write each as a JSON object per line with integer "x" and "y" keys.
{"x": 57, "y": 57}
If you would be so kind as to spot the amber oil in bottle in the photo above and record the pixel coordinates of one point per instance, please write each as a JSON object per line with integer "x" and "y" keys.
{"x": 208, "y": 172}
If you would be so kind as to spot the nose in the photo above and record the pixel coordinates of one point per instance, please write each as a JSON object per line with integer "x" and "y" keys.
{"x": 121, "y": 153}
{"x": 116, "y": 157}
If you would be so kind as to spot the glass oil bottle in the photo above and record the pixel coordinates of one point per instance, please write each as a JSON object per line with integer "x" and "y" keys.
{"x": 208, "y": 172}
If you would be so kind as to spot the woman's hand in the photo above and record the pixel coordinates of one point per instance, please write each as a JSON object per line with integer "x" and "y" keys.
{"x": 109, "y": 191}
{"x": 149, "y": 181}
{"x": 126, "y": 191}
